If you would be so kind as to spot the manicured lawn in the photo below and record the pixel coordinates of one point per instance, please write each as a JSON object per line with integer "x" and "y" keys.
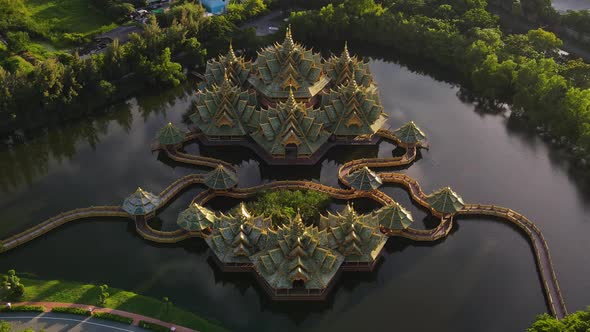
{"x": 73, "y": 292}
{"x": 69, "y": 16}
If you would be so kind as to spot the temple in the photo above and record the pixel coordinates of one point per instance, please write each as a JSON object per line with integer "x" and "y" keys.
{"x": 295, "y": 260}
{"x": 288, "y": 104}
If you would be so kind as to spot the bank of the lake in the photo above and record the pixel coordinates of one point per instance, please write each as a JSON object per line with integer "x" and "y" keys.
{"x": 484, "y": 270}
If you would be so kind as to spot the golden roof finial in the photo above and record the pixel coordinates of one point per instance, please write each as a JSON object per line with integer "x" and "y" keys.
{"x": 289, "y": 44}
{"x": 230, "y": 54}
{"x": 345, "y": 54}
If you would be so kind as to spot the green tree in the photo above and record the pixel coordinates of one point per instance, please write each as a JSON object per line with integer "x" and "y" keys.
{"x": 18, "y": 41}
{"x": 544, "y": 42}
{"x": 12, "y": 288}
{"x": 576, "y": 322}
{"x": 102, "y": 297}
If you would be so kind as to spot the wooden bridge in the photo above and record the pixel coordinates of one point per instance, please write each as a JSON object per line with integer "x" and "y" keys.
{"x": 543, "y": 259}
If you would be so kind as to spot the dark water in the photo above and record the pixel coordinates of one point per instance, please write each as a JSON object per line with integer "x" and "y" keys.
{"x": 481, "y": 278}
{"x": 563, "y": 5}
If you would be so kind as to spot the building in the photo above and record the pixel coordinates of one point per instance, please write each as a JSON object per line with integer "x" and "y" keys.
{"x": 215, "y": 6}
{"x": 289, "y": 103}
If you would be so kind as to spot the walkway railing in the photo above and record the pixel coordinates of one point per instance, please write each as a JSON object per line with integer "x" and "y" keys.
{"x": 541, "y": 250}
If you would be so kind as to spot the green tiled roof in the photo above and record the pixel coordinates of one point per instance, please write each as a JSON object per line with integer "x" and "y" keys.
{"x": 195, "y": 218}
{"x": 394, "y": 217}
{"x": 364, "y": 179}
{"x": 285, "y": 66}
{"x": 221, "y": 178}
{"x": 170, "y": 135}
{"x": 287, "y": 123}
{"x": 357, "y": 237}
{"x": 236, "y": 68}
{"x": 352, "y": 109}
{"x": 141, "y": 203}
{"x": 299, "y": 253}
{"x": 410, "y": 133}
{"x": 235, "y": 237}
{"x": 445, "y": 201}
{"x": 341, "y": 69}
{"x": 226, "y": 110}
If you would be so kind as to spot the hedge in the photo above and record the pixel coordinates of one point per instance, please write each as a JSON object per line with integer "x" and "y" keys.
{"x": 153, "y": 327}
{"x": 69, "y": 310}
{"x": 113, "y": 317}
{"x": 27, "y": 308}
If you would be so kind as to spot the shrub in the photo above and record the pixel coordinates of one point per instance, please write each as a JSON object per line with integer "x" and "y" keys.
{"x": 113, "y": 317}
{"x": 282, "y": 205}
{"x": 23, "y": 308}
{"x": 70, "y": 310}
{"x": 153, "y": 327}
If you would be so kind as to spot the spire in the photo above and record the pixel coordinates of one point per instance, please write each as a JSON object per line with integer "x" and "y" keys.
{"x": 226, "y": 82}
{"x": 231, "y": 56}
{"x": 352, "y": 84}
{"x": 345, "y": 54}
{"x": 291, "y": 102}
{"x": 289, "y": 44}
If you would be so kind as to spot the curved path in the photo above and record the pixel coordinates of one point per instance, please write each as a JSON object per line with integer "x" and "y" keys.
{"x": 543, "y": 259}
{"x": 136, "y": 317}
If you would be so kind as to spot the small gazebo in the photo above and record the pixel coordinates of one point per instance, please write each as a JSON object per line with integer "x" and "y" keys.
{"x": 410, "y": 134}
{"x": 364, "y": 179}
{"x": 394, "y": 217}
{"x": 445, "y": 201}
{"x": 170, "y": 135}
{"x": 221, "y": 178}
{"x": 196, "y": 218}
{"x": 141, "y": 203}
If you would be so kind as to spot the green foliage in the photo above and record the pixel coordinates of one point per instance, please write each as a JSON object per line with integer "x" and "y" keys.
{"x": 282, "y": 205}
{"x": 153, "y": 327}
{"x": 72, "y": 292}
{"x": 102, "y": 297}
{"x": 73, "y": 311}
{"x": 522, "y": 70}
{"x": 576, "y": 322}
{"x": 23, "y": 308}
{"x": 17, "y": 41}
{"x": 112, "y": 317}
{"x": 5, "y": 326}
{"x": 12, "y": 288}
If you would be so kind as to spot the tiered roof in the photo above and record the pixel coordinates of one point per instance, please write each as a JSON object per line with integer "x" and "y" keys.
{"x": 235, "y": 238}
{"x": 287, "y": 123}
{"x": 393, "y": 217}
{"x": 299, "y": 253}
{"x": 236, "y": 68}
{"x": 364, "y": 179}
{"x": 196, "y": 218}
{"x": 285, "y": 66}
{"x": 445, "y": 201}
{"x": 345, "y": 67}
{"x": 352, "y": 109}
{"x": 276, "y": 100}
{"x": 226, "y": 110}
{"x": 410, "y": 133}
{"x": 170, "y": 135}
{"x": 141, "y": 202}
{"x": 221, "y": 178}
{"x": 358, "y": 238}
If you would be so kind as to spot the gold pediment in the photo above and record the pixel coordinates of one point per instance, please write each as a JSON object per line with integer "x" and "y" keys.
{"x": 291, "y": 138}
{"x": 354, "y": 120}
{"x": 224, "y": 120}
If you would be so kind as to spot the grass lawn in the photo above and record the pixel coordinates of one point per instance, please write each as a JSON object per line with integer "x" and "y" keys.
{"x": 69, "y": 16}
{"x": 73, "y": 292}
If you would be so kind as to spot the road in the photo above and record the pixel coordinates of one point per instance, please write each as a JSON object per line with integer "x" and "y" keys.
{"x": 262, "y": 23}
{"x": 52, "y": 322}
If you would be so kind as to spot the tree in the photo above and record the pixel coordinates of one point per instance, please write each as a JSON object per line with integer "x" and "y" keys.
{"x": 544, "y": 42}
{"x": 576, "y": 322}
{"x": 17, "y": 41}
{"x": 102, "y": 297}
{"x": 12, "y": 288}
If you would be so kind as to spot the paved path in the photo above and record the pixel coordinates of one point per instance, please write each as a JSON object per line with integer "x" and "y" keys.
{"x": 136, "y": 317}
{"x": 52, "y": 322}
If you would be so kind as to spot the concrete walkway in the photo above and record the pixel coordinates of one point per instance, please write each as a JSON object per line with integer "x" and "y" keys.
{"x": 54, "y": 322}
{"x": 136, "y": 317}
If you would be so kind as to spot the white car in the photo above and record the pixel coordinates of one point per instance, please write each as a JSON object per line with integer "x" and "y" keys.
{"x": 273, "y": 28}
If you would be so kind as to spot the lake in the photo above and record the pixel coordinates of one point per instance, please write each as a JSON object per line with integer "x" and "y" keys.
{"x": 481, "y": 278}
